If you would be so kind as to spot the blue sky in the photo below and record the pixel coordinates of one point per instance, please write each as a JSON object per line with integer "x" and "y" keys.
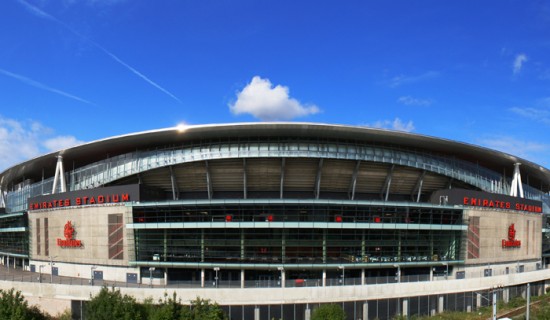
{"x": 74, "y": 71}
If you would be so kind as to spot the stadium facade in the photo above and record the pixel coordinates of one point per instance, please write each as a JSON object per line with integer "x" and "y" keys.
{"x": 307, "y": 213}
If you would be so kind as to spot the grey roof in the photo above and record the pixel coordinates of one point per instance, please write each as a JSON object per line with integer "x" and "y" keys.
{"x": 101, "y": 149}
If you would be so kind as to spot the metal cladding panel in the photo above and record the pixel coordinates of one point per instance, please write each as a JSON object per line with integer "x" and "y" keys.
{"x": 115, "y": 194}
{"x": 485, "y": 200}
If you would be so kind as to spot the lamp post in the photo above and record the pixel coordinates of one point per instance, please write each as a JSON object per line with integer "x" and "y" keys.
{"x": 343, "y": 274}
{"x": 92, "y": 275}
{"x": 40, "y": 272}
{"x": 494, "y": 302}
{"x": 398, "y": 273}
{"x": 216, "y": 278}
{"x": 51, "y": 268}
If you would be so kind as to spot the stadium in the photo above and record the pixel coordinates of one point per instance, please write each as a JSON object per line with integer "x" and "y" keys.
{"x": 271, "y": 220}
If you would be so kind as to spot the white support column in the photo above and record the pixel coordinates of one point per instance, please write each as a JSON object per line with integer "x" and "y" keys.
{"x": 506, "y": 295}
{"x": 324, "y": 278}
{"x": 2, "y": 199}
{"x": 385, "y": 192}
{"x": 208, "y": 180}
{"x": 59, "y": 176}
{"x": 307, "y": 313}
{"x": 441, "y": 304}
{"x": 317, "y": 190}
{"x": 245, "y": 178}
{"x": 362, "y": 277}
{"x": 365, "y": 310}
{"x": 202, "y": 278}
{"x": 175, "y": 190}
{"x": 256, "y": 313}
{"x": 242, "y": 278}
{"x": 516, "y": 182}
{"x": 353, "y": 183}
{"x": 418, "y": 187}
{"x": 282, "y": 184}
{"x": 405, "y": 311}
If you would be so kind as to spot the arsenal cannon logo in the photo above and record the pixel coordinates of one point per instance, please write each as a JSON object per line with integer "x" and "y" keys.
{"x": 511, "y": 242}
{"x": 69, "y": 240}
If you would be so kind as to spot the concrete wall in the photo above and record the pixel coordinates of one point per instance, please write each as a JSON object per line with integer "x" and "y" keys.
{"x": 258, "y": 296}
{"x": 493, "y": 228}
{"x": 91, "y": 227}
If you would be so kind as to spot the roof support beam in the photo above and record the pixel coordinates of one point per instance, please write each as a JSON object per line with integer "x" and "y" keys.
{"x": 516, "y": 182}
{"x": 387, "y": 184}
{"x": 59, "y": 176}
{"x": 318, "y": 179}
{"x": 353, "y": 183}
{"x": 245, "y": 191}
{"x": 281, "y": 188}
{"x": 2, "y": 198}
{"x": 175, "y": 191}
{"x": 208, "y": 180}
{"x": 418, "y": 186}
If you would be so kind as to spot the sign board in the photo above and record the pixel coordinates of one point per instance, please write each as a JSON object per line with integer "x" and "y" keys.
{"x": 105, "y": 195}
{"x": 482, "y": 199}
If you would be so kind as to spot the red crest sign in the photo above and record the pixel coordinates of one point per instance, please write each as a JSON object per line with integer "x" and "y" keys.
{"x": 511, "y": 242}
{"x": 69, "y": 232}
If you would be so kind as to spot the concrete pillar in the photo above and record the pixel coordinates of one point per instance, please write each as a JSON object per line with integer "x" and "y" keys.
{"x": 283, "y": 279}
{"x": 431, "y": 274}
{"x": 362, "y": 277}
{"x": 307, "y": 313}
{"x": 405, "y": 311}
{"x": 256, "y": 313}
{"x": 324, "y": 278}
{"x": 506, "y": 295}
{"x": 365, "y": 310}
{"x": 202, "y": 278}
{"x": 242, "y": 278}
{"x": 478, "y": 300}
{"x": 441, "y": 304}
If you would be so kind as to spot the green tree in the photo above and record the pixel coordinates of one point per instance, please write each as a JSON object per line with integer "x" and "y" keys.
{"x": 111, "y": 304}
{"x": 14, "y": 306}
{"x": 329, "y": 312}
{"x": 204, "y": 309}
{"x": 168, "y": 309}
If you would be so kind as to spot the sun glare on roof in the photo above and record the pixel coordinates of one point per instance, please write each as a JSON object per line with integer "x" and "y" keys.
{"x": 181, "y": 127}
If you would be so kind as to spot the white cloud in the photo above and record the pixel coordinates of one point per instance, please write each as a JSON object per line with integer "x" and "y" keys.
{"x": 541, "y": 115}
{"x": 23, "y": 140}
{"x": 395, "y": 124}
{"x": 265, "y": 102}
{"x": 60, "y": 143}
{"x": 533, "y": 151}
{"x": 410, "y": 101}
{"x": 408, "y": 79}
{"x": 518, "y": 62}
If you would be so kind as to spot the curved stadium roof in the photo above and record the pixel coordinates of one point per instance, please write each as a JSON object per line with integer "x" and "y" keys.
{"x": 538, "y": 176}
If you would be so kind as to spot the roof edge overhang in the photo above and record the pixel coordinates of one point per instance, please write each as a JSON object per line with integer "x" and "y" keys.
{"x": 113, "y": 146}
